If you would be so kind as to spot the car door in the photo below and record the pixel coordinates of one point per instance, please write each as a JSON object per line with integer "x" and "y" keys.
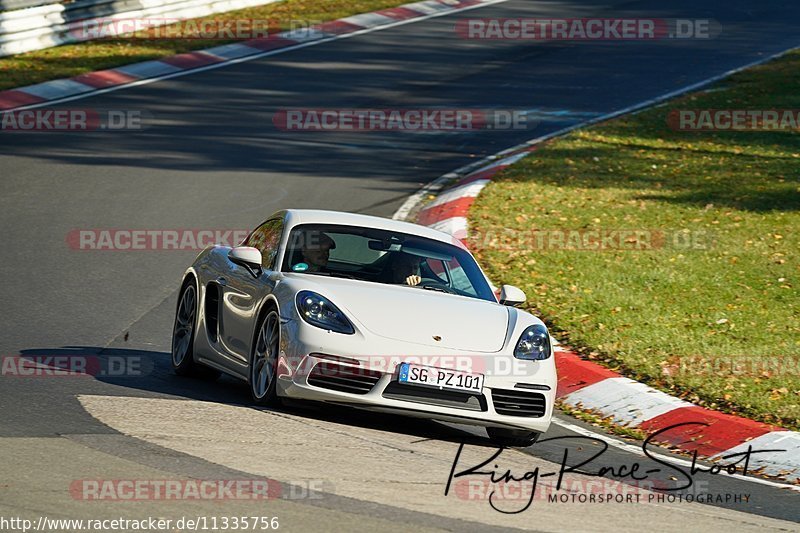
{"x": 243, "y": 289}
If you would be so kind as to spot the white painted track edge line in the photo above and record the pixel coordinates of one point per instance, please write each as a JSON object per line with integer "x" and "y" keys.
{"x": 631, "y": 448}
{"x": 244, "y": 59}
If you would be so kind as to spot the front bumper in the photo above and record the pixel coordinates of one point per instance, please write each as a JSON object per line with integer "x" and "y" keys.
{"x": 505, "y": 380}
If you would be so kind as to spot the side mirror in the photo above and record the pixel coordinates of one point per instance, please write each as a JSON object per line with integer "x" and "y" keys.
{"x": 248, "y": 257}
{"x": 511, "y": 295}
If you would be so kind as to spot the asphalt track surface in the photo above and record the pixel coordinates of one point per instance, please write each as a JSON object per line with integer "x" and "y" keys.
{"x": 213, "y": 159}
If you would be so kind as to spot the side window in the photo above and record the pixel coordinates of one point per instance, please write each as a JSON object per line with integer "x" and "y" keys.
{"x": 267, "y": 238}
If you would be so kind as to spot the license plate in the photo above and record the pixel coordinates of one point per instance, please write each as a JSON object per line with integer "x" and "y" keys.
{"x": 441, "y": 378}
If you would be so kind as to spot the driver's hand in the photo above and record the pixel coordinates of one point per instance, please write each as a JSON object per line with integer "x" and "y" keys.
{"x": 413, "y": 280}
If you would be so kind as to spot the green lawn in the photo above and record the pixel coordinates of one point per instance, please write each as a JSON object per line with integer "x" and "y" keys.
{"x": 74, "y": 59}
{"x": 717, "y": 322}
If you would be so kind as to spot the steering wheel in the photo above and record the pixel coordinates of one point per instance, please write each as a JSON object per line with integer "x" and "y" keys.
{"x": 436, "y": 285}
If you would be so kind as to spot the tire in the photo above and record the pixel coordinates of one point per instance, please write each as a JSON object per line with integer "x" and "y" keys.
{"x": 264, "y": 360}
{"x": 512, "y": 437}
{"x": 184, "y": 328}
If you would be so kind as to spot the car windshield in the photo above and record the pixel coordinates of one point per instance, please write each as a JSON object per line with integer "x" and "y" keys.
{"x": 381, "y": 256}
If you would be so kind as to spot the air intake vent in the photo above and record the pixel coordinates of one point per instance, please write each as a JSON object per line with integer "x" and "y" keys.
{"x": 518, "y": 403}
{"x": 342, "y": 378}
{"x": 212, "y": 311}
{"x": 412, "y": 393}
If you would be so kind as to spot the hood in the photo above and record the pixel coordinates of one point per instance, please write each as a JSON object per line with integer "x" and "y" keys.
{"x": 417, "y": 315}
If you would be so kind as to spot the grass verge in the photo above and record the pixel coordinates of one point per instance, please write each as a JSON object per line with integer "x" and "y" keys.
{"x": 707, "y": 307}
{"x": 73, "y": 59}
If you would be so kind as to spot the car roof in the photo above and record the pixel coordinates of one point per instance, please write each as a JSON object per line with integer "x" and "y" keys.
{"x": 295, "y": 217}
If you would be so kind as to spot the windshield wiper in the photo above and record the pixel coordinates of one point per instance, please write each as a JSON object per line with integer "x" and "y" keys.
{"x": 330, "y": 274}
{"x": 341, "y": 275}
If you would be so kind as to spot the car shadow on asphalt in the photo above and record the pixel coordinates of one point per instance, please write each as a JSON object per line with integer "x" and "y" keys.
{"x": 149, "y": 374}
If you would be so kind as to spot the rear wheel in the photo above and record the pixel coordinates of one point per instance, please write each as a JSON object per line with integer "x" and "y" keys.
{"x": 183, "y": 331}
{"x": 512, "y": 437}
{"x": 264, "y": 361}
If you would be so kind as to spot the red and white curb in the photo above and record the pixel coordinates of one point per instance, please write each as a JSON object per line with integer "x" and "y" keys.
{"x": 174, "y": 66}
{"x": 587, "y": 385}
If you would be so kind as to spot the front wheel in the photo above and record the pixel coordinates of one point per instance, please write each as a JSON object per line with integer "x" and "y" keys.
{"x": 512, "y": 437}
{"x": 264, "y": 361}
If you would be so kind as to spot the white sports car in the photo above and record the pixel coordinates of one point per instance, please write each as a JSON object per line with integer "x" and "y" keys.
{"x": 370, "y": 313}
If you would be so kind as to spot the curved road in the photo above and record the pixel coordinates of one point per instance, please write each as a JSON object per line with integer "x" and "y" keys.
{"x": 213, "y": 159}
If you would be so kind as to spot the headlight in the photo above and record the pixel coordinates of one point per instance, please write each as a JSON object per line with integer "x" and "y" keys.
{"x": 319, "y": 311}
{"x": 534, "y": 344}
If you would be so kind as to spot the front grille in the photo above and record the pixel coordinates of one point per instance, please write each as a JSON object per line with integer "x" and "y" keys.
{"x": 352, "y": 379}
{"x": 518, "y": 403}
{"x": 431, "y": 396}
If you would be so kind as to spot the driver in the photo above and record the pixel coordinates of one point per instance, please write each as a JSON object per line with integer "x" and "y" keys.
{"x": 405, "y": 268}
{"x": 317, "y": 250}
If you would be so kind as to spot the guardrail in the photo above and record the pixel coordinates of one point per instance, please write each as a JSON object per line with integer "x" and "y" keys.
{"x": 27, "y": 25}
